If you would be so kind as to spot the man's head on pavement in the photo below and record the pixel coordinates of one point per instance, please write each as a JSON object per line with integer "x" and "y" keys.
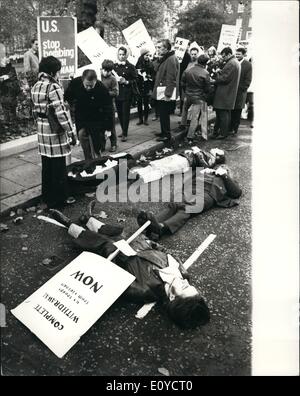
{"x": 226, "y": 53}
{"x": 163, "y": 47}
{"x": 194, "y": 52}
{"x": 240, "y": 53}
{"x": 107, "y": 67}
{"x": 34, "y": 45}
{"x": 51, "y": 66}
{"x": 203, "y": 59}
{"x": 89, "y": 79}
{"x": 122, "y": 54}
{"x": 189, "y": 312}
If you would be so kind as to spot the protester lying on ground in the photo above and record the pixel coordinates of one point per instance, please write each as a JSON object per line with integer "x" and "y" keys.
{"x": 180, "y": 163}
{"x": 159, "y": 277}
{"x": 219, "y": 190}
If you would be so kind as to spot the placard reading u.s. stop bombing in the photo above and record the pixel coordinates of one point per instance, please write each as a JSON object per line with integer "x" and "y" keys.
{"x": 57, "y": 37}
{"x": 65, "y": 307}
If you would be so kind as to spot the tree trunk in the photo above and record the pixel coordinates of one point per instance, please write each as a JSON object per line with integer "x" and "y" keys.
{"x": 86, "y": 11}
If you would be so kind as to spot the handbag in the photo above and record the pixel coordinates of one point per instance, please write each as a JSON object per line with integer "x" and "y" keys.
{"x": 52, "y": 117}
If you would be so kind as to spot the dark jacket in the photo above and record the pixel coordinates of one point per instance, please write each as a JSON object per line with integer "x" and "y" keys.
{"x": 148, "y": 286}
{"x": 92, "y": 107}
{"x": 184, "y": 64}
{"x": 227, "y": 85}
{"x": 222, "y": 189}
{"x": 244, "y": 84}
{"x": 196, "y": 82}
{"x": 145, "y": 86}
{"x": 128, "y": 71}
{"x": 167, "y": 75}
{"x": 10, "y": 88}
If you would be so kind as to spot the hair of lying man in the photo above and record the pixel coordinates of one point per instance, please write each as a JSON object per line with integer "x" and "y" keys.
{"x": 220, "y": 159}
{"x": 89, "y": 75}
{"x": 189, "y": 312}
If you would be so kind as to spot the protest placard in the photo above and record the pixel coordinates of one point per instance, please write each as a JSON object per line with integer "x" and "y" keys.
{"x": 65, "y": 307}
{"x": 180, "y": 48}
{"x": 57, "y": 37}
{"x": 92, "y": 45}
{"x": 228, "y": 37}
{"x": 137, "y": 38}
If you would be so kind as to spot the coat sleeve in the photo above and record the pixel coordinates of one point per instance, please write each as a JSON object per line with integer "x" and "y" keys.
{"x": 226, "y": 75}
{"x": 183, "y": 81}
{"x": 245, "y": 84}
{"x": 171, "y": 76}
{"x": 27, "y": 67}
{"x": 56, "y": 99}
{"x": 114, "y": 89}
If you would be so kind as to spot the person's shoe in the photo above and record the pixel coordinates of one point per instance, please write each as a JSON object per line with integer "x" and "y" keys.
{"x": 154, "y": 118}
{"x": 60, "y": 217}
{"x": 139, "y": 123}
{"x": 142, "y": 218}
{"x": 163, "y": 139}
{"x": 155, "y": 227}
{"x": 158, "y": 134}
{"x": 70, "y": 200}
{"x": 146, "y": 122}
{"x": 219, "y": 137}
{"x": 124, "y": 139}
{"x": 113, "y": 149}
{"x": 120, "y": 135}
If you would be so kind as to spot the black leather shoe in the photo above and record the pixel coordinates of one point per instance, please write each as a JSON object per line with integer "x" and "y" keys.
{"x": 60, "y": 217}
{"x": 139, "y": 123}
{"x": 158, "y": 134}
{"x": 163, "y": 139}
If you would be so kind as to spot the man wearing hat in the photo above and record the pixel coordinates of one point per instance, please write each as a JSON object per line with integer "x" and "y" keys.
{"x": 146, "y": 74}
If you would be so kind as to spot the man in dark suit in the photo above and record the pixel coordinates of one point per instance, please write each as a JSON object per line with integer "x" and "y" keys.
{"x": 227, "y": 82}
{"x": 167, "y": 80}
{"x": 245, "y": 81}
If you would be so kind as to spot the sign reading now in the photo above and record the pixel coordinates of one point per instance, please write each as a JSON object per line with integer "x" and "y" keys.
{"x": 65, "y": 307}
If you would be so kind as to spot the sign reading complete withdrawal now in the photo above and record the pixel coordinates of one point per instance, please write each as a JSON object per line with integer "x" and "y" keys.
{"x": 63, "y": 309}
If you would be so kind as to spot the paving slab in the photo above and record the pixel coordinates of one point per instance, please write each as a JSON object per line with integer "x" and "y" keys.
{"x": 27, "y": 175}
{"x": 8, "y": 188}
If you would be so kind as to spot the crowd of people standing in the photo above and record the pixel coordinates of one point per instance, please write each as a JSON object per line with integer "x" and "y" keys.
{"x": 91, "y": 101}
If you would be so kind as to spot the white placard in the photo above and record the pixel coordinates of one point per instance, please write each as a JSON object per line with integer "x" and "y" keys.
{"x": 228, "y": 37}
{"x": 180, "y": 47}
{"x": 92, "y": 45}
{"x": 195, "y": 45}
{"x": 137, "y": 38}
{"x": 65, "y": 307}
{"x": 161, "y": 93}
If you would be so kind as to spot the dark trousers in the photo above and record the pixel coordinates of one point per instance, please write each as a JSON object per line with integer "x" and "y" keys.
{"x": 165, "y": 109}
{"x": 222, "y": 124}
{"x": 54, "y": 181}
{"x": 250, "y": 102}
{"x": 113, "y": 136}
{"x": 123, "y": 109}
{"x": 175, "y": 216}
{"x": 235, "y": 120}
{"x": 143, "y": 115}
{"x": 97, "y": 137}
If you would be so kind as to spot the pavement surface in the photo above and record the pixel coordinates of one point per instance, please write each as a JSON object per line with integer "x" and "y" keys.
{"x": 119, "y": 344}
